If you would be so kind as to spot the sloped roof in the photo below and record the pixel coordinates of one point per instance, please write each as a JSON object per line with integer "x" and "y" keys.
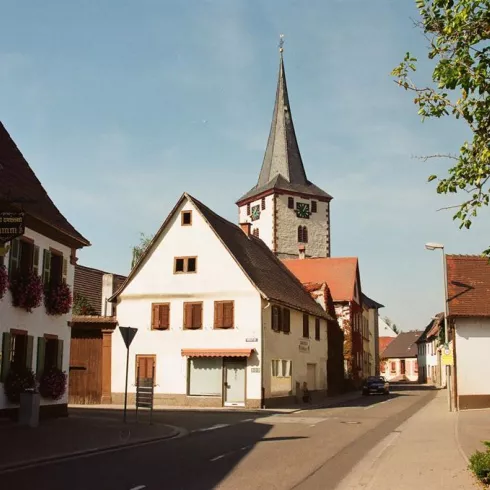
{"x": 282, "y": 167}
{"x": 340, "y": 273}
{"x": 404, "y": 345}
{"x": 88, "y": 283}
{"x": 432, "y": 328}
{"x": 370, "y": 303}
{"x": 263, "y": 268}
{"x": 20, "y": 186}
{"x": 468, "y": 278}
{"x": 384, "y": 342}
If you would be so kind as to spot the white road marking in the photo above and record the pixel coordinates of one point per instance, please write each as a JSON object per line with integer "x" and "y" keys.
{"x": 213, "y": 427}
{"x": 221, "y": 456}
{"x": 218, "y": 457}
{"x": 139, "y": 487}
{"x": 247, "y": 420}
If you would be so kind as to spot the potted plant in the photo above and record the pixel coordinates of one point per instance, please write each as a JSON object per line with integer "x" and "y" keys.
{"x": 4, "y": 280}
{"x": 58, "y": 299}
{"x": 27, "y": 291}
{"x": 18, "y": 381}
{"x": 53, "y": 384}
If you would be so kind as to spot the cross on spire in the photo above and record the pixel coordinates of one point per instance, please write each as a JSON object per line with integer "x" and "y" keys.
{"x": 281, "y": 43}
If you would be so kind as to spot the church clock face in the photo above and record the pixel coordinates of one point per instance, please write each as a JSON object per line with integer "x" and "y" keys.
{"x": 302, "y": 210}
{"x": 255, "y": 213}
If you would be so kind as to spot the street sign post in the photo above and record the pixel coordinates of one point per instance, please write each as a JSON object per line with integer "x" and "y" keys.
{"x": 128, "y": 334}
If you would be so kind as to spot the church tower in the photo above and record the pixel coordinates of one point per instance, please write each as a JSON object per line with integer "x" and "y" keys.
{"x": 285, "y": 209}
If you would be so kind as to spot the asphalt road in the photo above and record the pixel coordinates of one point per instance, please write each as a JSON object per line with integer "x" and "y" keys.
{"x": 306, "y": 450}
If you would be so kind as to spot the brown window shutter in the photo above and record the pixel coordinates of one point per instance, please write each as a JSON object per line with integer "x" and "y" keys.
{"x": 218, "y": 314}
{"x": 228, "y": 308}
{"x": 196, "y": 316}
{"x": 275, "y": 319}
{"x": 164, "y": 316}
{"x": 155, "y": 319}
{"x": 187, "y": 315}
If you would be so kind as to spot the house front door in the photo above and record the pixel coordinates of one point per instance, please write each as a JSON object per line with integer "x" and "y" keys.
{"x": 234, "y": 371}
{"x": 311, "y": 376}
{"x": 402, "y": 366}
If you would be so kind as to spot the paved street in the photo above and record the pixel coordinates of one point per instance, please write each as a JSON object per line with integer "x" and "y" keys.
{"x": 304, "y": 450}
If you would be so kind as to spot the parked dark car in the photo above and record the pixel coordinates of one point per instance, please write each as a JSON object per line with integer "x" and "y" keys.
{"x": 376, "y": 384}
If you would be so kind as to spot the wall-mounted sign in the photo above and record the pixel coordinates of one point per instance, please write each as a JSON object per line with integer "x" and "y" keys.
{"x": 304, "y": 345}
{"x": 251, "y": 339}
{"x": 447, "y": 358}
{"x": 11, "y": 226}
{"x": 255, "y": 370}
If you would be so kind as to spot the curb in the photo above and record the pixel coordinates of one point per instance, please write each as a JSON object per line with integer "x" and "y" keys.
{"x": 175, "y": 433}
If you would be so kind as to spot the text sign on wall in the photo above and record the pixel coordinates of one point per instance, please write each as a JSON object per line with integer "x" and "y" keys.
{"x": 11, "y": 226}
{"x": 304, "y": 346}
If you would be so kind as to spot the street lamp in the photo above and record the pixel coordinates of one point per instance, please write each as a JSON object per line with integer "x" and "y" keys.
{"x": 440, "y": 246}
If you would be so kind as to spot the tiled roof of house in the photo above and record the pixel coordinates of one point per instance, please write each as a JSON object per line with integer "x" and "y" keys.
{"x": 262, "y": 267}
{"x": 340, "y": 273}
{"x": 468, "y": 278}
{"x": 384, "y": 342}
{"x": 402, "y": 346}
{"x": 282, "y": 167}
{"x": 88, "y": 283}
{"x": 20, "y": 186}
{"x": 432, "y": 328}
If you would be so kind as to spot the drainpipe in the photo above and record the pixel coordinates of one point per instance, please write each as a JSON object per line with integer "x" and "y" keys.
{"x": 262, "y": 348}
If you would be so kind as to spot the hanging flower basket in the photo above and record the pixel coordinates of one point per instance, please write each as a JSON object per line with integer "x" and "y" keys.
{"x": 19, "y": 380}
{"x": 58, "y": 299}
{"x": 53, "y": 384}
{"x": 4, "y": 280}
{"x": 27, "y": 291}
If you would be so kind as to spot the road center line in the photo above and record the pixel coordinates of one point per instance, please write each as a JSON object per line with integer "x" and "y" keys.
{"x": 139, "y": 487}
{"x": 221, "y": 456}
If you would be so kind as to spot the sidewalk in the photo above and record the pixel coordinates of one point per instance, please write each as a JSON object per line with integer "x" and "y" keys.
{"x": 473, "y": 428}
{"x": 58, "y": 438}
{"x": 421, "y": 453}
{"x": 327, "y": 402}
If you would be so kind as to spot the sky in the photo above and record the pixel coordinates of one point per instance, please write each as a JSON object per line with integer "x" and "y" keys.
{"x": 120, "y": 106}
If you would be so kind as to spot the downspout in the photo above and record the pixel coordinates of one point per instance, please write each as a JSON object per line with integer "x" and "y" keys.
{"x": 262, "y": 354}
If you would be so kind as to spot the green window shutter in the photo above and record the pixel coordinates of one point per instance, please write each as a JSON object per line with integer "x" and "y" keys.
{"x": 59, "y": 363}
{"x": 65, "y": 269}
{"x": 46, "y": 267}
{"x": 35, "y": 260}
{"x": 41, "y": 350}
{"x": 14, "y": 257}
{"x": 30, "y": 349}
{"x": 6, "y": 340}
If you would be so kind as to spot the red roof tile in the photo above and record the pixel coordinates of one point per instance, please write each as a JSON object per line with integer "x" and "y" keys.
{"x": 18, "y": 183}
{"x": 340, "y": 273}
{"x": 384, "y": 342}
{"x": 468, "y": 278}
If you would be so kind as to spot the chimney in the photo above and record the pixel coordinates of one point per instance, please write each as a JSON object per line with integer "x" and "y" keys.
{"x": 246, "y": 227}
{"x": 302, "y": 251}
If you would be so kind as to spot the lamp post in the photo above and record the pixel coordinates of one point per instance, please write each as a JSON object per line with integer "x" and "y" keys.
{"x": 440, "y": 246}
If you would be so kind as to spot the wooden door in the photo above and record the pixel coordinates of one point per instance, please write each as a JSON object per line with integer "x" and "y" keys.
{"x": 311, "y": 376}
{"x": 85, "y": 381}
{"x": 402, "y": 366}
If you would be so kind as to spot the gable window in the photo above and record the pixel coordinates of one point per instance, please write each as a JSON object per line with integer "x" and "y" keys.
{"x": 248, "y": 209}
{"x": 286, "y": 320}
{"x": 224, "y": 314}
{"x": 23, "y": 257}
{"x": 291, "y": 202}
{"x": 160, "y": 316}
{"x": 17, "y": 348}
{"x": 276, "y": 318}
{"x": 192, "y": 316}
{"x": 186, "y": 218}
{"x": 255, "y": 232}
{"x": 317, "y": 329}
{"x": 302, "y": 234}
{"x": 306, "y": 326}
{"x": 262, "y": 203}
{"x": 184, "y": 265}
{"x": 49, "y": 353}
{"x": 313, "y": 206}
{"x": 145, "y": 370}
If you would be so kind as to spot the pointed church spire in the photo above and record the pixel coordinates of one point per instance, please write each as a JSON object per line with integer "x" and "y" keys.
{"x": 282, "y": 155}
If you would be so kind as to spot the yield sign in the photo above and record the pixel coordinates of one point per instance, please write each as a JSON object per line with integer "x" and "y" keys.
{"x": 128, "y": 334}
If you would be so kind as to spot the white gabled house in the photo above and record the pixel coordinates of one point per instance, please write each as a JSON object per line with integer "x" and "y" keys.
{"x": 46, "y": 253}
{"x": 221, "y": 321}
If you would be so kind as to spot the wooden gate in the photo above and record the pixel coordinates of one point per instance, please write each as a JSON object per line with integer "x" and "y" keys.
{"x": 85, "y": 385}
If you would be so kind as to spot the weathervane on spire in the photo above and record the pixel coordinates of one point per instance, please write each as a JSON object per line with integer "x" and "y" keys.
{"x": 281, "y": 43}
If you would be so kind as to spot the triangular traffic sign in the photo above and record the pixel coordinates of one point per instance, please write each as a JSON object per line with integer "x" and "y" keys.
{"x": 128, "y": 334}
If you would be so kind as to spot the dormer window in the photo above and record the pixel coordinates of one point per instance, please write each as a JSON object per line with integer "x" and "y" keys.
{"x": 186, "y": 218}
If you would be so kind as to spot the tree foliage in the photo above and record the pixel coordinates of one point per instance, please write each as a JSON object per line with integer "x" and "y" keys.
{"x": 392, "y": 325}
{"x": 139, "y": 249}
{"x": 458, "y": 32}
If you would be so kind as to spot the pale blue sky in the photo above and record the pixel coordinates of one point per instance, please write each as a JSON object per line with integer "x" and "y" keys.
{"x": 120, "y": 106}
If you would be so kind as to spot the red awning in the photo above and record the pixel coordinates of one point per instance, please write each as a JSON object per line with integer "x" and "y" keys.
{"x": 217, "y": 352}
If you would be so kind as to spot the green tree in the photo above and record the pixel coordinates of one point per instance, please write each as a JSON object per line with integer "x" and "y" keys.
{"x": 458, "y": 32}
{"x": 392, "y": 325}
{"x": 139, "y": 249}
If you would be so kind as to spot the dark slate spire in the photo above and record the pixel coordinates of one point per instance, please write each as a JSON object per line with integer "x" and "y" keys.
{"x": 282, "y": 154}
{"x": 282, "y": 167}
